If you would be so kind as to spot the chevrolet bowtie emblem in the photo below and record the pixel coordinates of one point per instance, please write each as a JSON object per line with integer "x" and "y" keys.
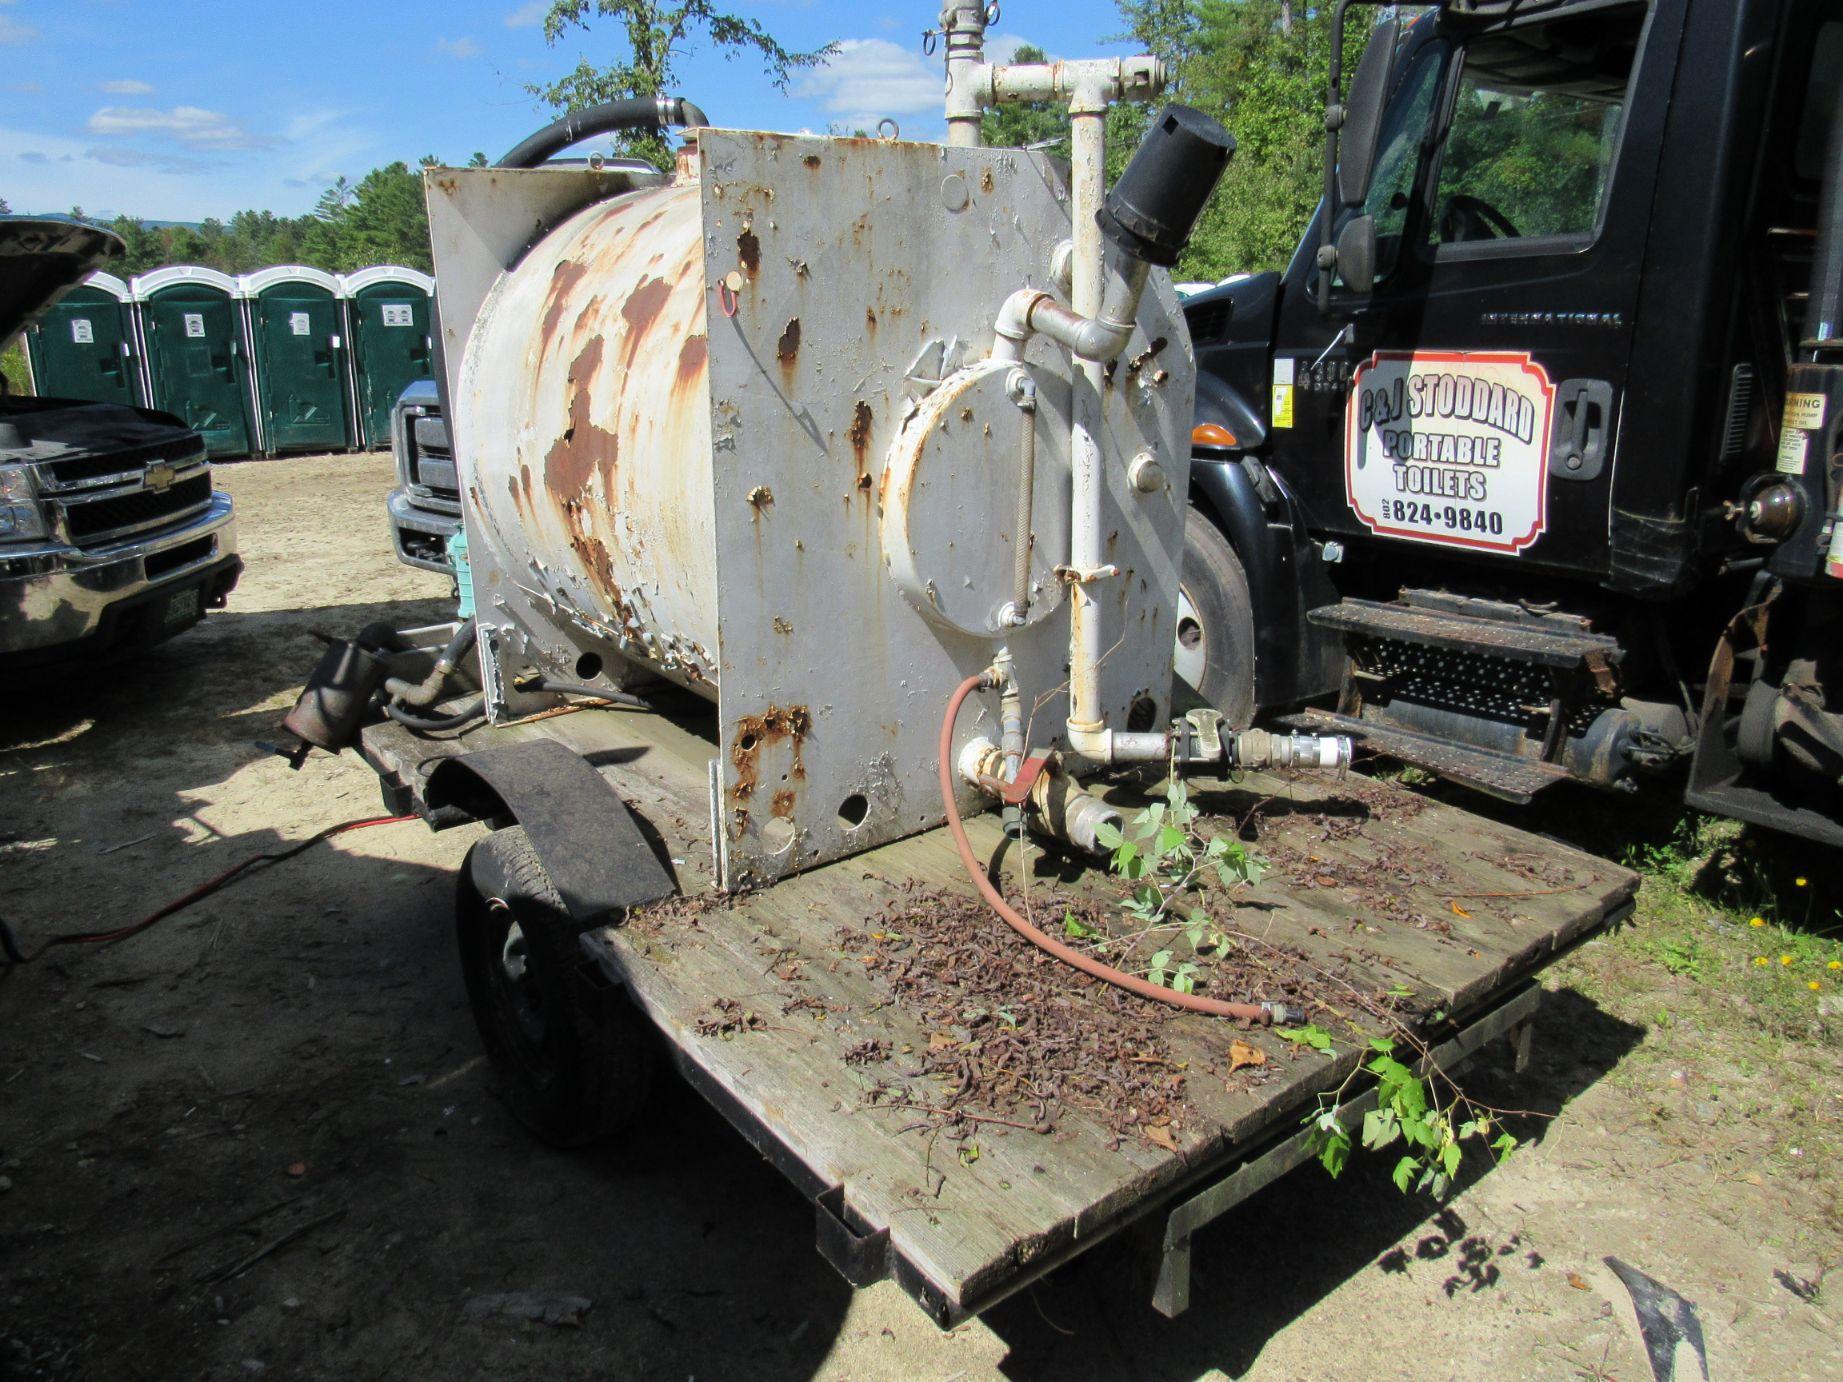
{"x": 158, "y": 477}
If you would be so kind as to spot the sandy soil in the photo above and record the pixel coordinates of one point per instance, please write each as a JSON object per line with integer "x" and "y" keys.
{"x": 295, "y": 1056}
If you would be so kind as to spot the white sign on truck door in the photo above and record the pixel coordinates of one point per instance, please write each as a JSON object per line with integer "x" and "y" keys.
{"x": 1450, "y": 447}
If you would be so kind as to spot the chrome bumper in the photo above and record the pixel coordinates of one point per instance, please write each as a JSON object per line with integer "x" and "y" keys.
{"x": 420, "y": 534}
{"x": 52, "y": 596}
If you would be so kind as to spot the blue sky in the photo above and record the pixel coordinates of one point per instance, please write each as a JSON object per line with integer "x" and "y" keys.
{"x": 182, "y": 109}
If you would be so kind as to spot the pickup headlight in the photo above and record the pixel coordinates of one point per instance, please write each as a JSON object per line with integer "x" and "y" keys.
{"x": 20, "y": 514}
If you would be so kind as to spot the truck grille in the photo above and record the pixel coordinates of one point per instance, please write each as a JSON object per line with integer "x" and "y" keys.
{"x": 101, "y": 518}
{"x": 80, "y": 471}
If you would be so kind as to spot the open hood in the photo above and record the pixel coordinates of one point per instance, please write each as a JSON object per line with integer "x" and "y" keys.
{"x": 40, "y": 259}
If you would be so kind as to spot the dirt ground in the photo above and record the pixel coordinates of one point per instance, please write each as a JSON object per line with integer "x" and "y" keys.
{"x": 291, "y": 1066}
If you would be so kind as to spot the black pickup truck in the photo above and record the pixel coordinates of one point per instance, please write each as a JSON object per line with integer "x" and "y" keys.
{"x": 112, "y": 536}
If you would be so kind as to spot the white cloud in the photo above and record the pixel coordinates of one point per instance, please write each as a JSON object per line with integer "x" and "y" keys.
{"x": 457, "y": 47}
{"x": 188, "y": 124}
{"x": 128, "y": 86}
{"x": 12, "y": 31}
{"x": 869, "y": 78}
{"x": 528, "y": 16}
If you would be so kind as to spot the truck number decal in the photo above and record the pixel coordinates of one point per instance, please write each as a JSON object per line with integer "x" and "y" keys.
{"x": 1450, "y": 447}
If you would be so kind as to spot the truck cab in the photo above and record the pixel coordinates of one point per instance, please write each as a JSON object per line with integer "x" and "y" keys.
{"x": 112, "y": 537}
{"x": 1492, "y": 472}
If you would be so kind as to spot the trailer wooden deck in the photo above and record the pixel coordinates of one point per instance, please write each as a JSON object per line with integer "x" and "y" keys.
{"x": 1382, "y": 888}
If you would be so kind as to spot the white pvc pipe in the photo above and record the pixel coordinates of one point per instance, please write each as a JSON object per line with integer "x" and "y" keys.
{"x": 1088, "y": 147}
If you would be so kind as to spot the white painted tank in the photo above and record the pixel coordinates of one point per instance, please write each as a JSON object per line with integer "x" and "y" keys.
{"x": 585, "y": 396}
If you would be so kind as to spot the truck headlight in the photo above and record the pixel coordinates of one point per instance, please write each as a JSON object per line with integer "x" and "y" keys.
{"x": 20, "y": 514}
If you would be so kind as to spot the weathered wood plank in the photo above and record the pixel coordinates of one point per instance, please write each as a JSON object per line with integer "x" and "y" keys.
{"x": 969, "y": 1228}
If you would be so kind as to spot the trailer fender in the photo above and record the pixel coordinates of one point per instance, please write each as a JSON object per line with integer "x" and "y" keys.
{"x": 589, "y": 840}
{"x": 1293, "y": 658}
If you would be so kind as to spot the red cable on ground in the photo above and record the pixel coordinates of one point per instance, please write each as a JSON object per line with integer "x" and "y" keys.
{"x": 10, "y": 954}
{"x": 1241, "y": 1012}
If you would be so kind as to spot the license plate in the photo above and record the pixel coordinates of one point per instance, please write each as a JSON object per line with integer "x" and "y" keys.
{"x": 182, "y": 607}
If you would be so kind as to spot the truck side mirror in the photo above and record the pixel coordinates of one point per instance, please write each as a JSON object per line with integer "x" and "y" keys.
{"x": 1369, "y": 92}
{"x": 1356, "y": 254}
{"x": 1352, "y": 130}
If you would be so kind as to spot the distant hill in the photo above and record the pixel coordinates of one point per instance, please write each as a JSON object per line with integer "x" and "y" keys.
{"x": 100, "y": 218}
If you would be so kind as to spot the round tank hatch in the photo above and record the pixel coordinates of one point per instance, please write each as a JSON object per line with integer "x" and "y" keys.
{"x": 951, "y": 496}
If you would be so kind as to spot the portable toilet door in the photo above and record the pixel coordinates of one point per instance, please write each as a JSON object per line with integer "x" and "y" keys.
{"x": 388, "y": 308}
{"x": 197, "y": 360}
{"x": 84, "y": 347}
{"x": 299, "y": 336}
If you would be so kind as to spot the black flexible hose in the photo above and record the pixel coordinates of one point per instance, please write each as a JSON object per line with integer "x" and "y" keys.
{"x": 572, "y": 688}
{"x": 429, "y": 689}
{"x": 471, "y": 709}
{"x": 634, "y": 113}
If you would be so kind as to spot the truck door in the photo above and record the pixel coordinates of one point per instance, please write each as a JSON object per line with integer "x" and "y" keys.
{"x": 1471, "y": 402}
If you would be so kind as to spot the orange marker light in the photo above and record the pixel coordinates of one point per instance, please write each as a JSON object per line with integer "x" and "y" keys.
{"x": 1211, "y": 434}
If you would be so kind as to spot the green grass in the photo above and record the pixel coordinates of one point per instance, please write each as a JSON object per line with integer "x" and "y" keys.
{"x": 13, "y": 366}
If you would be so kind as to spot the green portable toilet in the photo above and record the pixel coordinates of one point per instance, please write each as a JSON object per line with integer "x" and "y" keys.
{"x": 296, "y": 327}
{"x": 84, "y": 346}
{"x": 387, "y": 309}
{"x": 197, "y": 358}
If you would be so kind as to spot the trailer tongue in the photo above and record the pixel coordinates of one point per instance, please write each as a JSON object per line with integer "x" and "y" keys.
{"x": 880, "y": 449}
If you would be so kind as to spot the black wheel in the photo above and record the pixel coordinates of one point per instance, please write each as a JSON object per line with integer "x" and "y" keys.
{"x": 575, "y": 1058}
{"x": 1215, "y": 623}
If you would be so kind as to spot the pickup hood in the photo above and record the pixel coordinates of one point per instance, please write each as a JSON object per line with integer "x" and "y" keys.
{"x": 40, "y": 259}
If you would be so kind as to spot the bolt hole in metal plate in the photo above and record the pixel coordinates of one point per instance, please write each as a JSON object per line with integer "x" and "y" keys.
{"x": 853, "y": 810}
{"x": 588, "y": 667}
{"x": 950, "y": 507}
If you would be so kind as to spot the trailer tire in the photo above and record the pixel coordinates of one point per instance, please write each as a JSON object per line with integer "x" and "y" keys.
{"x": 575, "y": 1058}
{"x": 1215, "y": 625}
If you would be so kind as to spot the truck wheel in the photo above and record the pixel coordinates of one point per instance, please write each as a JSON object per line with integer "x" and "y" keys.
{"x": 1215, "y": 623}
{"x": 577, "y": 1060}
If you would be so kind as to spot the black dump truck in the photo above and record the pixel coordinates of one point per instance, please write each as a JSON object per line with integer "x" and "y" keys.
{"x": 1526, "y": 469}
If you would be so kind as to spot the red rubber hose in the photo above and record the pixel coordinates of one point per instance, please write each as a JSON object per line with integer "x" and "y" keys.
{"x": 1241, "y": 1012}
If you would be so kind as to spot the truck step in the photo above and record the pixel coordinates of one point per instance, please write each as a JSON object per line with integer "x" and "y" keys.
{"x": 1501, "y": 775}
{"x": 1530, "y": 642}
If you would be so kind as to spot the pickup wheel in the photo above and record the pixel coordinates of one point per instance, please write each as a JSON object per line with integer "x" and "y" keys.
{"x": 1215, "y": 623}
{"x": 575, "y": 1058}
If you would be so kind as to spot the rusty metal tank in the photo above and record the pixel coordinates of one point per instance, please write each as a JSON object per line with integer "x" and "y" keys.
{"x": 743, "y": 430}
{"x": 586, "y": 384}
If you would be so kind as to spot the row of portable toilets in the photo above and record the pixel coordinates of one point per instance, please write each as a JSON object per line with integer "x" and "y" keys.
{"x": 287, "y": 359}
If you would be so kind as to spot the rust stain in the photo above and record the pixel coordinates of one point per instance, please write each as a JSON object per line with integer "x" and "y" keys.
{"x": 749, "y": 250}
{"x": 781, "y": 625}
{"x": 985, "y": 181}
{"x": 787, "y": 349}
{"x": 859, "y": 433}
{"x": 524, "y": 480}
{"x": 693, "y": 356}
{"x": 563, "y": 281}
{"x": 870, "y": 319}
{"x": 811, "y": 160}
{"x": 583, "y": 447}
{"x": 753, "y": 732}
{"x": 760, "y": 498}
{"x": 640, "y": 311}
{"x": 782, "y": 804}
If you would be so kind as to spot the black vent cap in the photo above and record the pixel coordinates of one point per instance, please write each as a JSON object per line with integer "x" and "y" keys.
{"x": 1155, "y": 205}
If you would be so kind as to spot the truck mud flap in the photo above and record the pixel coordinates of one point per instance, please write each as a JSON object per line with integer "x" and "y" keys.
{"x": 590, "y": 841}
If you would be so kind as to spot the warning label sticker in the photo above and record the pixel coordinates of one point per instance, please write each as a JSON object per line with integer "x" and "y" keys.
{"x": 195, "y": 324}
{"x": 81, "y": 331}
{"x": 398, "y": 314}
{"x": 1450, "y": 447}
{"x": 299, "y": 324}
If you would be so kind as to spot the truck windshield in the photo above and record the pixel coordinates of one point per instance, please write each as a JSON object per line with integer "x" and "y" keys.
{"x": 1535, "y": 125}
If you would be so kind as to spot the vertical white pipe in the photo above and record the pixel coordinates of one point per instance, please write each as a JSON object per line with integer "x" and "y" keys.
{"x": 963, "y": 27}
{"x": 1088, "y": 116}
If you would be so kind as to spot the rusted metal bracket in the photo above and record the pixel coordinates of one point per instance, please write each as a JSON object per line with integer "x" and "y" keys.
{"x": 1171, "y": 1295}
{"x": 1085, "y": 575}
